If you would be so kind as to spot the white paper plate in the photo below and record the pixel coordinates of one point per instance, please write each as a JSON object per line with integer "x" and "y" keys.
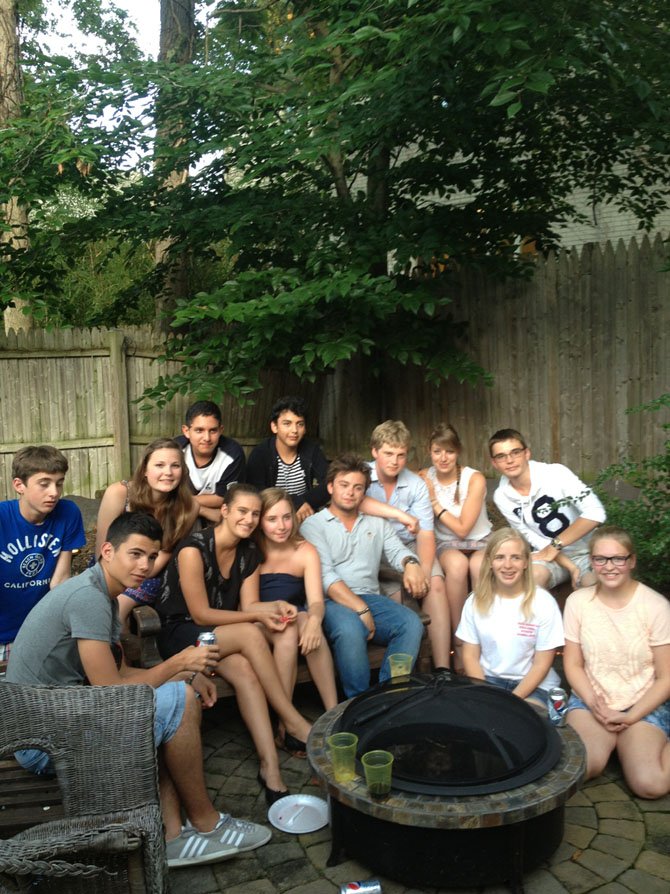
{"x": 299, "y": 814}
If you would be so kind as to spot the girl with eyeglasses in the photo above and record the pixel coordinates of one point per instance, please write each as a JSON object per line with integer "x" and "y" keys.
{"x": 617, "y": 661}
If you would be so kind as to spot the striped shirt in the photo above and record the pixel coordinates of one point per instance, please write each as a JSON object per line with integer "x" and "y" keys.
{"x": 291, "y": 477}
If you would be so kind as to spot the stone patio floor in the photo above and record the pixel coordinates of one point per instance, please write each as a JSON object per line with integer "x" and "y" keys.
{"x": 614, "y": 843}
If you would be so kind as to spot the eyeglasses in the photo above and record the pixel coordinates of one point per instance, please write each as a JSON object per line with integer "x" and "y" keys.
{"x": 513, "y": 454}
{"x": 617, "y": 561}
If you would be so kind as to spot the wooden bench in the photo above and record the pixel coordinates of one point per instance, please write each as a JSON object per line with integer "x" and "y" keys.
{"x": 140, "y": 648}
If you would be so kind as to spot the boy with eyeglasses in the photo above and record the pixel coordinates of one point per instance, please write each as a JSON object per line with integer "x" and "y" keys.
{"x": 550, "y": 506}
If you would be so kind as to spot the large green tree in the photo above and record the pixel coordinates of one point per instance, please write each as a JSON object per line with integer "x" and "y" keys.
{"x": 348, "y": 158}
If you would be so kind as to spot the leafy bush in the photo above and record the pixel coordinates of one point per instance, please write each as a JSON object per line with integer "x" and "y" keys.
{"x": 647, "y": 519}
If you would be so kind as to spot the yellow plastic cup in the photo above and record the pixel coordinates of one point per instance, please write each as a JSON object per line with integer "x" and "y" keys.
{"x": 343, "y": 755}
{"x": 400, "y": 664}
{"x": 378, "y": 766}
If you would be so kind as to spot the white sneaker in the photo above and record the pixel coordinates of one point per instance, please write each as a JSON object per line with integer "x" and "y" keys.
{"x": 228, "y": 837}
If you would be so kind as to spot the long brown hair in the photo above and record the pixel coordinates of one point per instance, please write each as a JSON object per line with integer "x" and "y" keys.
{"x": 269, "y": 498}
{"x": 485, "y": 590}
{"x": 446, "y": 437}
{"x": 174, "y": 510}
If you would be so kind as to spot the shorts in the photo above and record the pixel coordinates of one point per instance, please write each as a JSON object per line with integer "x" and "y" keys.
{"x": 169, "y": 704}
{"x": 659, "y": 717}
{"x": 464, "y": 546}
{"x": 539, "y": 695}
{"x": 558, "y": 574}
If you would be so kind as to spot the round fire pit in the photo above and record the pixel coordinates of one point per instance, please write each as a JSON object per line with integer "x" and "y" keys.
{"x": 493, "y": 829}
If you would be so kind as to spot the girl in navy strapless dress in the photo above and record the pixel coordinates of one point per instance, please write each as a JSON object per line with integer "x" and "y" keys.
{"x": 290, "y": 579}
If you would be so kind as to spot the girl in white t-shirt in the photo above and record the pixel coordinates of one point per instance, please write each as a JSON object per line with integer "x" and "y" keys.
{"x": 510, "y": 628}
{"x": 458, "y": 497}
{"x": 617, "y": 661}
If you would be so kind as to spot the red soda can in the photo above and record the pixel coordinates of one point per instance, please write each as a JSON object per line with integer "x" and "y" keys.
{"x": 369, "y": 886}
{"x": 557, "y": 706}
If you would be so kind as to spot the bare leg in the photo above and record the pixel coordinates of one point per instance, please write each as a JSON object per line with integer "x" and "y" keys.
{"x": 285, "y": 654}
{"x": 644, "y": 752}
{"x": 456, "y": 569}
{"x": 170, "y": 806}
{"x": 237, "y": 671}
{"x": 476, "y": 559}
{"x": 436, "y": 606}
{"x": 183, "y": 761}
{"x": 320, "y": 664}
{"x": 541, "y": 574}
{"x": 249, "y": 641}
{"x": 599, "y": 743}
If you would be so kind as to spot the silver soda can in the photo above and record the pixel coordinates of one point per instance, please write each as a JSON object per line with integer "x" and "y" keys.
{"x": 369, "y": 886}
{"x": 557, "y": 706}
{"x": 206, "y": 639}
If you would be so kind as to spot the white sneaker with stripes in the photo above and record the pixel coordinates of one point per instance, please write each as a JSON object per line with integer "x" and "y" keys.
{"x": 229, "y": 837}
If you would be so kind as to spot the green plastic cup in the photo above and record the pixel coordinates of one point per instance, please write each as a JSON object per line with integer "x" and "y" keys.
{"x": 343, "y": 755}
{"x": 400, "y": 664}
{"x": 378, "y": 766}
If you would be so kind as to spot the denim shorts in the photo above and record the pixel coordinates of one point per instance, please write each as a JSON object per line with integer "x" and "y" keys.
{"x": 540, "y": 695}
{"x": 659, "y": 717}
{"x": 169, "y": 703}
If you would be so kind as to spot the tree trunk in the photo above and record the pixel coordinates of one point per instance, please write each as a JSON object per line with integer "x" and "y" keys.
{"x": 176, "y": 46}
{"x": 11, "y": 97}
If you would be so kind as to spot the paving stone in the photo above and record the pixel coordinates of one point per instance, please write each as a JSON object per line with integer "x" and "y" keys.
{"x": 658, "y": 832}
{"x": 320, "y": 886}
{"x": 619, "y": 847}
{"x": 655, "y": 864}
{"x": 315, "y": 837}
{"x": 578, "y": 835}
{"x": 618, "y": 810}
{"x": 608, "y": 792}
{"x": 260, "y": 886}
{"x": 542, "y": 882}
{"x": 582, "y": 816}
{"x": 642, "y": 883}
{"x": 605, "y": 865}
{"x": 622, "y": 828}
{"x": 579, "y": 799}
{"x": 659, "y": 805}
{"x": 195, "y": 880}
{"x": 577, "y": 879}
{"x": 291, "y": 873}
{"x": 612, "y": 888}
{"x": 229, "y": 873}
{"x": 280, "y": 852}
{"x": 318, "y": 854}
{"x": 565, "y": 851}
{"x": 346, "y": 871}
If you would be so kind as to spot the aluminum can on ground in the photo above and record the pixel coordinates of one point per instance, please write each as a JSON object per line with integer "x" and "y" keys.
{"x": 206, "y": 639}
{"x": 369, "y": 886}
{"x": 557, "y": 706}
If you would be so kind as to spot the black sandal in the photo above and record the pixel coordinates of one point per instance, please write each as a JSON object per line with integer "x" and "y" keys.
{"x": 293, "y": 746}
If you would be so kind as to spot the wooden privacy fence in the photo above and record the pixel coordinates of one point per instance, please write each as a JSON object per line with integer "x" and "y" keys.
{"x": 570, "y": 350}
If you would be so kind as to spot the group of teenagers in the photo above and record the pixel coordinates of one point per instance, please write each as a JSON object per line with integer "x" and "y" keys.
{"x": 285, "y": 554}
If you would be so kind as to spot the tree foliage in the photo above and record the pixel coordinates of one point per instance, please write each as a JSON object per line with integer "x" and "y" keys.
{"x": 349, "y": 158}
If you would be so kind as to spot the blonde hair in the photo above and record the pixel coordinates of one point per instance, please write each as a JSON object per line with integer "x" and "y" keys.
{"x": 613, "y": 532}
{"x": 484, "y": 592}
{"x": 446, "y": 437}
{"x": 270, "y": 497}
{"x": 174, "y": 510}
{"x": 393, "y": 432}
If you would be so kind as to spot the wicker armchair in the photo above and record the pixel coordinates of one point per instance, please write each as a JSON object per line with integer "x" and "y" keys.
{"x": 101, "y": 743}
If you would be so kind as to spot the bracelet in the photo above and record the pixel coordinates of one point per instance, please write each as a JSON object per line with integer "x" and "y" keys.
{"x": 363, "y": 611}
{"x": 439, "y": 515}
{"x": 190, "y": 680}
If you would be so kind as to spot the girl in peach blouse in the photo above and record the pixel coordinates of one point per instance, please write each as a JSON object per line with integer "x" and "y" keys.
{"x": 617, "y": 661}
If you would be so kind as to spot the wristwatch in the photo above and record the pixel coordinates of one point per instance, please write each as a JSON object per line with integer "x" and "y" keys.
{"x": 556, "y": 543}
{"x": 410, "y": 560}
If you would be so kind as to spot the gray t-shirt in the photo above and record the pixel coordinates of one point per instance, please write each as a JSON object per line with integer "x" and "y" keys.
{"x": 45, "y": 650}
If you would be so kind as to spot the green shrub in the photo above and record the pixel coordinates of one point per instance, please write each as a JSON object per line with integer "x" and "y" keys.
{"x": 647, "y": 519}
